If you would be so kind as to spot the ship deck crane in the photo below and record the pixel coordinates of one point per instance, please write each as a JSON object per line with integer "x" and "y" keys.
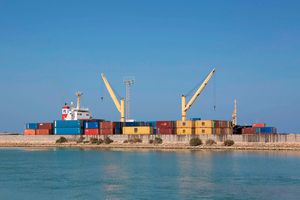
{"x": 185, "y": 107}
{"x": 120, "y": 104}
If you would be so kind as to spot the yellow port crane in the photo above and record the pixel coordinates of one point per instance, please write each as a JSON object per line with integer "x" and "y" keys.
{"x": 185, "y": 107}
{"x": 120, "y": 104}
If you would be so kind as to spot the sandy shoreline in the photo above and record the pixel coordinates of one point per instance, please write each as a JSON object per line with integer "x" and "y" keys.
{"x": 238, "y": 147}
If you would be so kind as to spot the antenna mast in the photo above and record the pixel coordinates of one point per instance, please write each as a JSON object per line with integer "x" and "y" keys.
{"x": 128, "y": 84}
{"x": 78, "y": 94}
{"x": 234, "y": 114}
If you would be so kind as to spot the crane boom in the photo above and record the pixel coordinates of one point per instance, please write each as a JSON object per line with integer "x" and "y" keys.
{"x": 185, "y": 107}
{"x": 119, "y": 105}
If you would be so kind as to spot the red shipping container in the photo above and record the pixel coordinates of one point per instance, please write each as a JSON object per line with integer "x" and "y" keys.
{"x": 259, "y": 125}
{"x": 248, "y": 131}
{"x": 106, "y": 131}
{"x": 217, "y": 124}
{"x": 91, "y": 131}
{"x": 164, "y": 124}
{"x": 107, "y": 125}
{"x": 166, "y": 131}
{"x": 43, "y": 132}
{"x": 45, "y": 125}
{"x": 29, "y": 132}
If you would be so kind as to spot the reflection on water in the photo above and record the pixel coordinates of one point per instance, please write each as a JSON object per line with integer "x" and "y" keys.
{"x": 148, "y": 174}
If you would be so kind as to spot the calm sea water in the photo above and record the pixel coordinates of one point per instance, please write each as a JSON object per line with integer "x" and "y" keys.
{"x": 117, "y": 174}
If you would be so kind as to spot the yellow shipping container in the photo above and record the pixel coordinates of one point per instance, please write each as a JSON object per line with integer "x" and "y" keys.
{"x": 137, "y": 130}
{"x": 185, "y": 131}
{"x": 205, "y": 124}
{"x": 185, "y": 124}
{"x": 199, "y": 131}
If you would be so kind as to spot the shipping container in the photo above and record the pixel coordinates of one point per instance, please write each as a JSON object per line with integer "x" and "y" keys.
{"x": 67, "y": 131}
{"x": 29, "y": 131}
{"x": 165, "y": 124}
{"x": 185, "y": 131}
{"x": 266, "y": 130}
{"x": 209, "y": 131}
{"x": 107, "y": 131}
{"x": 91, "y": 131}
{"x": 45, "y": 126}
{"x": 185, "y": 124}
{"x": 108, "y": 125}
{"x": 32, "y": 126}
{"x": 205, "y": 124}
{"x": 248, "y": 130}
{"x": 223, "y": 124}
{"x": 152, "y": 124}
{"x": 119, "y": 125}
{"x": 67, "y": 124}
{"x": 165, "y": 131}
{"x": 195, "y": 118}
{"x": 136, "y": 124}
{"x": 91, "y": 124}
{"x": 43, "y": 132}
{"x": 223, "y": 131}
{"x": 139, "y": 130}
{"x": 259, "y": 125}
{"x": 118, "y": 131}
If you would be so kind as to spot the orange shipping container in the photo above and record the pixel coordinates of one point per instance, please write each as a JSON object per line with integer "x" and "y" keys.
{"x": 42, "y": 132}
{"x": 29, "y": 132}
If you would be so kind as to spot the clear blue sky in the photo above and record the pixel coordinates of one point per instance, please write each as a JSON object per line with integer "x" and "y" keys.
{"x": 51, "y": 49}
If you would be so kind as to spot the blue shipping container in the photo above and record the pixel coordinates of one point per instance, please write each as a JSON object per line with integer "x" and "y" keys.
{"x": 265, "y": 130}
{"x": 67, "y": 124}
{"x": 118, "y": 131}
{"x": 119, "y": 125}
{"x": 152, "y": 124}
{"x": 32, "y": 126}
{"x": 67, "y": 131}
{"x": 195, "y": 118}
{"x": 91, "y": 124}
{"x": 136, "y": 124}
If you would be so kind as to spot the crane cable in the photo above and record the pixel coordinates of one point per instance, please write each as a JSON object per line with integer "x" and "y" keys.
{"x": 214, "y": 92}
{"x": 103, "y": 87}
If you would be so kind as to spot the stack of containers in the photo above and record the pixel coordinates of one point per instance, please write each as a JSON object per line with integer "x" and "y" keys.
{"x": 218, "y": 127}
{"x": 91, "y": 127}
{"x": 44, "y": 129}
{"x": 205, "y": 127}
{"x": 223, "y": 127}
{"x": 165, "y": 127}
{"x": 30, "y": 128}
{"x": 67, "y": 127}
{"x": 138, "y": 128}
{"x": 185, "y": 127}
{"x": 110, "y": 128}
